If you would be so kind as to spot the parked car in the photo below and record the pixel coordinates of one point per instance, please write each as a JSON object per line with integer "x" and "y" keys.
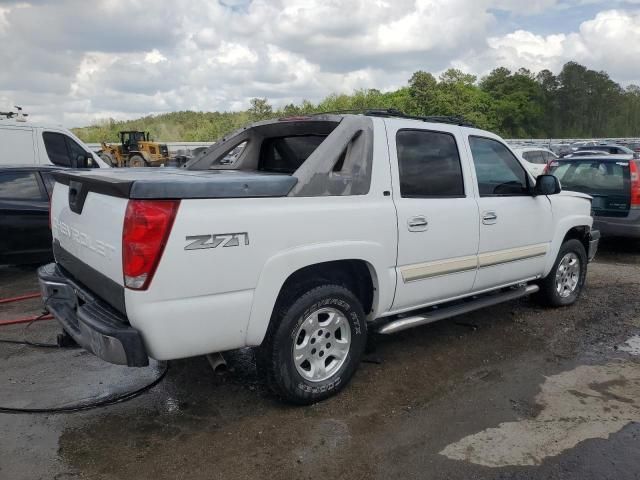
{"x": 319, "y": 230}
{"x": 24, "y": 213}
{"x": 561, "y": 149}
{"x": 535, "y": 158}
{"x": 588, "y": 143}
{"x": 612, "y": 149}
{"x": 614, "y": 183}
{"x": 635, "y": 146}
{"x": 586, "y": 153}
{"x": 27, "y": 143}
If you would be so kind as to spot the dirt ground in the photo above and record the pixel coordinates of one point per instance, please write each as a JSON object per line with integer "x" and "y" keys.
{"x": 515, "y": 391}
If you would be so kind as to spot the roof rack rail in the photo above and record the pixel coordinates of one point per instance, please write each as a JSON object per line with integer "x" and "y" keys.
{"x": 392, "y": 112}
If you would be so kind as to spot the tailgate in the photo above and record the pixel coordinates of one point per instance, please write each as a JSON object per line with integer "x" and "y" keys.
{"x": 87, "y": 238}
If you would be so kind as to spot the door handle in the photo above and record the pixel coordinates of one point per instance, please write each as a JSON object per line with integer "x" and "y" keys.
{"x": 489, "y": 218}
{"x": 417, "y": 224}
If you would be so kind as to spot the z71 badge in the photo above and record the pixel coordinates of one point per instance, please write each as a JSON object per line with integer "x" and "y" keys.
{"x": 198, "y": 242}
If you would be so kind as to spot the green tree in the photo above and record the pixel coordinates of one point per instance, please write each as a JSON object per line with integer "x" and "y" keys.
{"x": 578, "y": 102}
{"x": 422, "y": 92}
{"x": 260, "y": 109}
{"x": 516, "y": 102}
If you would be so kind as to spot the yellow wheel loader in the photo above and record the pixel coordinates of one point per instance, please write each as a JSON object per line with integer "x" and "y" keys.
{"x": 135, "y": 150}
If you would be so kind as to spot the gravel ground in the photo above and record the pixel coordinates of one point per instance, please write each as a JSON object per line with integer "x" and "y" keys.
{"x": 514, "y": 391}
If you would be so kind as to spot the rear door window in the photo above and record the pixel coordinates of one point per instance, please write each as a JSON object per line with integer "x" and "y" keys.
{"x": 19, "y": 186}
{"x": 429, "y": 164}
{"x": 535, "y": 157}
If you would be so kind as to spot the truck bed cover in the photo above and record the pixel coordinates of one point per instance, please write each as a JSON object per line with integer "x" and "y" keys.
{"x": 169, "y": 183}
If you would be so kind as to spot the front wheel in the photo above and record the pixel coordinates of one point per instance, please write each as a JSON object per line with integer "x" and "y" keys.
{"x": 564, "y": 283}
{"x": 314, "y": 344}
{"x": 136, "y": 161}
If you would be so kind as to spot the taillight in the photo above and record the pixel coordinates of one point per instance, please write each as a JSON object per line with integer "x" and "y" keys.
{"x": 635, "y": 183}
{"x": 547, "y": 167}
{"x": 147, "y": 224}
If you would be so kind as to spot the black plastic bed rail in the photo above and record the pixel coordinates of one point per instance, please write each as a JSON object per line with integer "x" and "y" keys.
{"x": 168, "y": 183}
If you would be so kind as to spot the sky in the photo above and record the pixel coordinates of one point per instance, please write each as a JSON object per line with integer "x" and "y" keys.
{"x": 77, "y": 62}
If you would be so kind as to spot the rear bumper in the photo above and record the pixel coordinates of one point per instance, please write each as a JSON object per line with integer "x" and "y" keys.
{"x": 94, "y": 325}
{"x": 628, "y": 226}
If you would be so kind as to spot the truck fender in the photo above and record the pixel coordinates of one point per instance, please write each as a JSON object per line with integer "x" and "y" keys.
{"x": 283, "y": 264}
{"x": 564, "y": 225}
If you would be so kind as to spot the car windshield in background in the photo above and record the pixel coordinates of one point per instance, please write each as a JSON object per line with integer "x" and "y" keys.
{"x": 588, "y": 153}
{"x": 592, "y": 176}
{"x": 613, "y": 149}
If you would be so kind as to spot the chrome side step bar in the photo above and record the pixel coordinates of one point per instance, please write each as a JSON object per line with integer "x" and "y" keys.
{"x": 457, "y": 309}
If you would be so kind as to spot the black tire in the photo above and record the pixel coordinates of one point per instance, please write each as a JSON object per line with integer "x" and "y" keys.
{"x": 107, "y": 158}
{"x": 549, "y": 294}
{"x": 276, "y": 357}
{"x": 136, "y": 161}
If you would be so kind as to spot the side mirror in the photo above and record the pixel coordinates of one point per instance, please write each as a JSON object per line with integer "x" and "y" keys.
{"x": 547, "y": 185}
{"x": 84, "y": 161}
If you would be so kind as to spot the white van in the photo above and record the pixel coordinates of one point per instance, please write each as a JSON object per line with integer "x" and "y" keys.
{"x": 24, "y": 143}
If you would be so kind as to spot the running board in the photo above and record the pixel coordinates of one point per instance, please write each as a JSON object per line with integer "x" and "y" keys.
{"x": 458, "y": 309}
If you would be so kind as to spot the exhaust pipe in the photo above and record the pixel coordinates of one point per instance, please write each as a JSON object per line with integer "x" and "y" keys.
{"x": 218, "y": 363}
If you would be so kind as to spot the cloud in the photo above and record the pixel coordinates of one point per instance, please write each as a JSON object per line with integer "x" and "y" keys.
{"x": 118, "y": 58}
{"x": 610, "y": 41}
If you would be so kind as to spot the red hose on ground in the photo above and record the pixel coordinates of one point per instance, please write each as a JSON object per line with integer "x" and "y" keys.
{"x": 21, "y": 297}
{"x": 32, "y": 318}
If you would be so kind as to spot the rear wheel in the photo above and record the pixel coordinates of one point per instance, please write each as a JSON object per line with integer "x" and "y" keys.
{"x": 564, "y": 283}
{"x": 137, "y": 161}
{"x": 314, "y": 344}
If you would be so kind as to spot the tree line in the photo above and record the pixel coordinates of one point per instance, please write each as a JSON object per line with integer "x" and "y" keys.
{"x": 576, "y": 103}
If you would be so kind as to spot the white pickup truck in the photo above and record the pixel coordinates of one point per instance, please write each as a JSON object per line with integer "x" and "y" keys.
{"x": 300, "y": 235}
